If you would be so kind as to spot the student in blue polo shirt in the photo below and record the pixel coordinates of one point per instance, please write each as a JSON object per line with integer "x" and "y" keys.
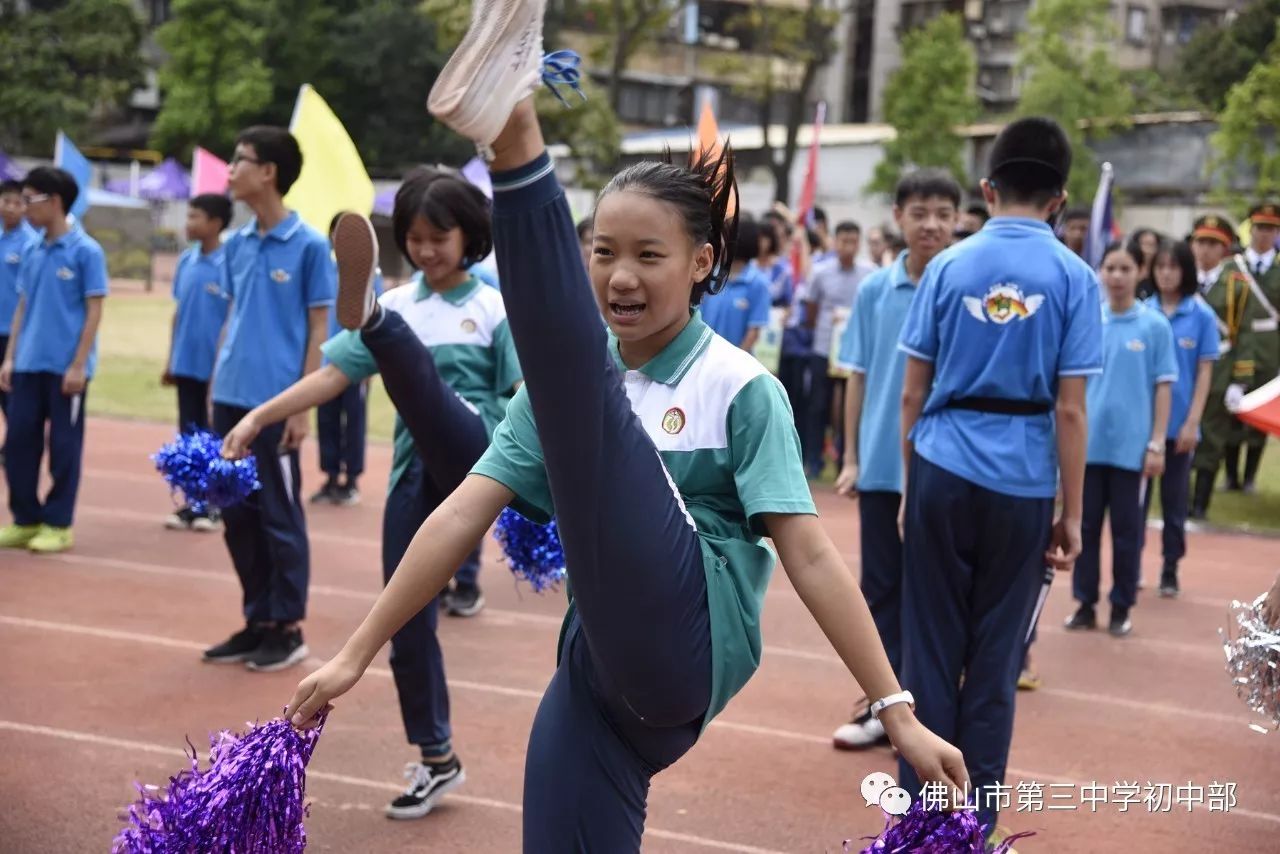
{"x": 925, "y": 208}
{"x": 741, "y": 310}
{"x": 49, "y": 362}
{"x": 1195, "y": 340}
{"x": 1128, "y": 422}
{"x": 16, "y": 234}
{"x": 665, "y": 453}
{"x": 342, "y": 425}
{"x": 281, "y": 280}
{"x": 1003, "y": 331}
{"x": 198, "y": 321}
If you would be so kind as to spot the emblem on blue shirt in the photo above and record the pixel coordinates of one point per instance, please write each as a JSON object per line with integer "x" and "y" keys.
{"x": 12, "y": 258}
{"x": 1135, "y": 345}
{"x": 280, "y": 276}
{"x": 673, "y": 421}
{"x": 65, "y": 273}
{"x": 468, "y": 326}
{"x": 1187, "y": 343}
{"x": 1003, "y": 303}
{"x": 742, "y": 304}
{"x": 213, "y": 289}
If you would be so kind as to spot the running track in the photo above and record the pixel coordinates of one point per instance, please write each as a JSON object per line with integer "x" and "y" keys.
{"x": 101, "y": 681}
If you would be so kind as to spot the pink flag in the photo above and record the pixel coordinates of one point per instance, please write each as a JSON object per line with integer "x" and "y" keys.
{"x": 808, "y": 190}
{"x": 208, "y": 173}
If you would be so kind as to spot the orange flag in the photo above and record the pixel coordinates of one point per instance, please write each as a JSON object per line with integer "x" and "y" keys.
{"x": 709, "y": 140}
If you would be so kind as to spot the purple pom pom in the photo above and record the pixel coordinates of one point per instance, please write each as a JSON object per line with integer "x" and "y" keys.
{"x": 532, "y": 551}
{"x": 250, "y": 798}
{"x": 935, "y": 832}
{"x": 193, "y": 465}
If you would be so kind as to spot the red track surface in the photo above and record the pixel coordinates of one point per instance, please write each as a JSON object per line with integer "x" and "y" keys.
{"x": 102, "y": 681}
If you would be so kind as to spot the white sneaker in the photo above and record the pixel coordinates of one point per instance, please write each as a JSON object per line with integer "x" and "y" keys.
{"x": 496, "y": 66}
{"x": 355, "y": 246}
{"x": 178, "y": 520}
{"x": 206, "y": 524}
{"x": 862, "y": 732}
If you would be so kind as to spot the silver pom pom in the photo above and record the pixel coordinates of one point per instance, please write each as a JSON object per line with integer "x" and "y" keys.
{"x": 1252, "y": 648}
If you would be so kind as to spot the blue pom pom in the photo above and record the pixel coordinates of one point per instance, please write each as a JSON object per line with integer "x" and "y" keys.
{"x": 533, "y": 551}
{"x": 193, "y": 465}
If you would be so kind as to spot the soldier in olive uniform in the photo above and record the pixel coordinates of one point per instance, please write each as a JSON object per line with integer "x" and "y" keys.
{"x": 1247, "y": 324}
{"x": 1257, "y": 262}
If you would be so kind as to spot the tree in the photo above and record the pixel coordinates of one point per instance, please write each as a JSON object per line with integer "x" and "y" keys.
{"x": 1246, "y": 138}
{"x": 1220, "y": 55}
{"x": 1069, "y": 76}
{"x": 784, "y": 49}
{"x": 301, "y": 39}
{"x": 65, "y": 67}
{"x": 590, "y": 129}
{"x": 628, "y": 25}
{"x": 213, "y": 80}
{"x": 926, "y": 99}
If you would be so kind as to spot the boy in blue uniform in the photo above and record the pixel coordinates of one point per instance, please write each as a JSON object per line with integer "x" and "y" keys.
{"x": 741, "y": 310}
{"x": 198, "y": 320}
{"x": 48, "y": 364}
{"x": 281, "y": 280}
{"x": 1000, "y": 338}
{"x": 16, "y": 234}
{"x": 341, "y": 425}
{"x": 1128, "y": 418}
{"x": 925, "y": 209}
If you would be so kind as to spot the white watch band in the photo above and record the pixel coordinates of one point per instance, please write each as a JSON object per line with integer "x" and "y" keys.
{"x": 892, "y": 700}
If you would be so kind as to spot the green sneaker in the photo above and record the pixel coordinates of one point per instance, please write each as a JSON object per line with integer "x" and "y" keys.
{"x": 51, "y": 540}
{"x": 17, "y": 536}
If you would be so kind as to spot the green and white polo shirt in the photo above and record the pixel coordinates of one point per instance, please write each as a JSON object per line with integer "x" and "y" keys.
{"x": 724, "y": 429}
{"x": 465, "y": 329}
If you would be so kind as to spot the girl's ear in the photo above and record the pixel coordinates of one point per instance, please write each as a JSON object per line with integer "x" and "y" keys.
{"x": 703, "y": 263}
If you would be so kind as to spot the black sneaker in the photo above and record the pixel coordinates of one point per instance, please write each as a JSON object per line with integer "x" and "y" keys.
{"x": 236, "y": 648}
{"x": 346, "y": 495}
{"x": 862, "y": 731}
{"x": 464, "y": 600}
{"x": 281, "y": 648}
{"x": 1169, "y": 581}
{"x": 327, "y": 493}
{"x": 1083, "y": 618}
{"x": 1120, "y": 624}
{"x": 427, "y": 784}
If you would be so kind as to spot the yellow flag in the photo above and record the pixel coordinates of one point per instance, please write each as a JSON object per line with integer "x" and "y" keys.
{"x": 333, "y": 176}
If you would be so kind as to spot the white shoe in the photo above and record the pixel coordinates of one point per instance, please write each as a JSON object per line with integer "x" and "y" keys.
{"x": 355, "y": 246}
{"x": 862, "y": 732}
{"x": 206, "y": 524}
{"x": 178, "y": 520}
{"x": 427, "y": 785}
{"x": 496, "y": 66}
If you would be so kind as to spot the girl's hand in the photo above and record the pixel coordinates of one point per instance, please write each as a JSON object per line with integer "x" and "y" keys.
{"x": 1153, "y": 465}
{"x": 933, "y": 759}
{"x": 847, "y": 481}
{"x": 314, "y": 692}
{"x": 1271, "y": 607}
{"x": 235, "y": 445}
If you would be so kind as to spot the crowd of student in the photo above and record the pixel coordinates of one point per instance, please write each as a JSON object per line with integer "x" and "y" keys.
{"x": 952, "y": 374}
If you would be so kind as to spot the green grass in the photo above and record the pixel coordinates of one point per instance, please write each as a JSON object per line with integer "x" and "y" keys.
{"x": 132, "y": 346}
{"x": 134, "y": 341}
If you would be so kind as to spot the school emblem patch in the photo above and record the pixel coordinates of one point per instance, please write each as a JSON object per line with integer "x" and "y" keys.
{"x": 673, "y": 421}
{"x": 12, "y": 258}
{"x": 213, "y": 289}
{"x": 1003, "y": 303}
{"x": 1187, "y": 343}
{"x": 468, "y": 326}
{"x": 1135, "y": 345}
{"x": 280, "y": 276}
{"x": 742, "y": 304}
{"x": 65, "y": 273}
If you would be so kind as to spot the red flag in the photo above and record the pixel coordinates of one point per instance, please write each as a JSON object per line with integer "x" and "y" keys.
{"x": 1261, "y": 408}
{"x": 809, "y": 190}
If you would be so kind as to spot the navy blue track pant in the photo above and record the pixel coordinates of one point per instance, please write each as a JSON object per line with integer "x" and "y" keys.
{"x": 634, "y": 678}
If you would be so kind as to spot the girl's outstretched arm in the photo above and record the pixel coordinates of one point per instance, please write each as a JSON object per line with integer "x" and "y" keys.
{"x": 312, "y": 390}
{"x": 827, "y": 588}
{"x": 444, "y": 540}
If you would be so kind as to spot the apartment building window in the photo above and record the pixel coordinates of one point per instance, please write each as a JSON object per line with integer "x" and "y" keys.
{"x": 1135, "y": 25}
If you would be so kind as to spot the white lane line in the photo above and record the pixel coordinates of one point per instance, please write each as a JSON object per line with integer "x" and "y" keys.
{"x": 550, "y": 621}
{"x": 360, "y": 782}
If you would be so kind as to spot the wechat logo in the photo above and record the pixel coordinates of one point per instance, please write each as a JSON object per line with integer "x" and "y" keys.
{"x": 879, "y": 789}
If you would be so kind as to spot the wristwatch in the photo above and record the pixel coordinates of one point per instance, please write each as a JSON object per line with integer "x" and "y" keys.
{"x": 892, "y": 700}
{"x": 1156, "y": 448}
